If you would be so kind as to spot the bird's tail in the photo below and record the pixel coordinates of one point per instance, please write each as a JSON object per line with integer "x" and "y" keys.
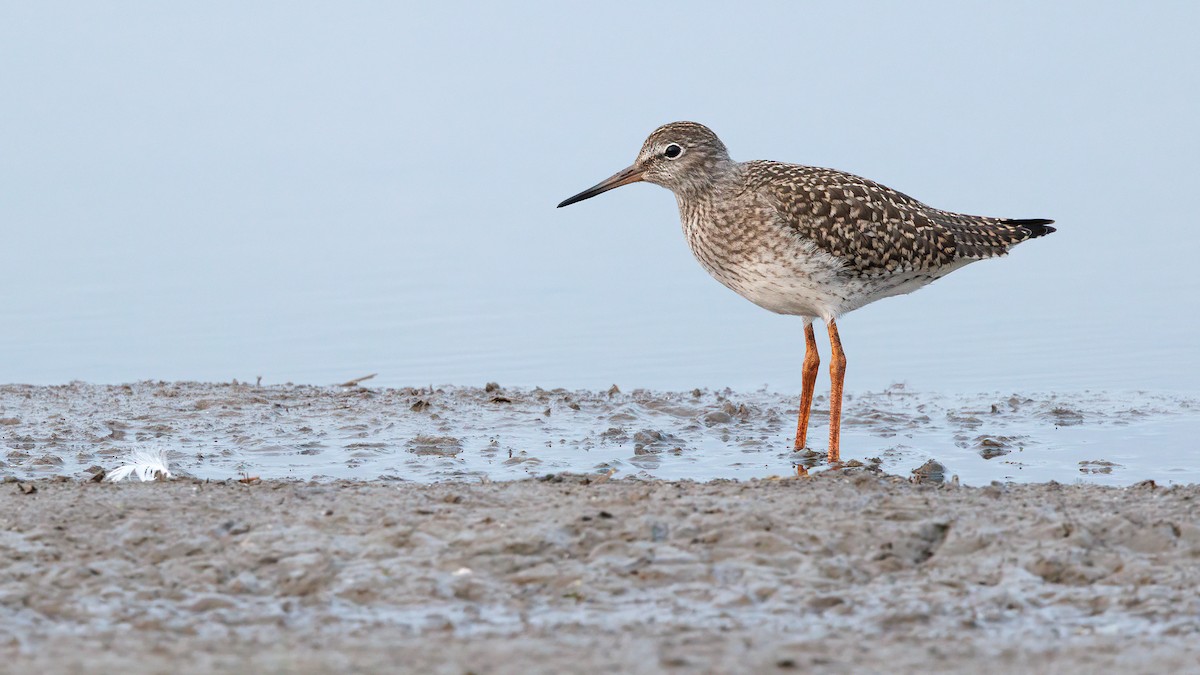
{"x": 978, "y": 237}
{"x": 1036, "y": 227}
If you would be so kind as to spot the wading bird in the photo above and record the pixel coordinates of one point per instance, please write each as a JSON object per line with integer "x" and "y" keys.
{"x": 807, "y": 241}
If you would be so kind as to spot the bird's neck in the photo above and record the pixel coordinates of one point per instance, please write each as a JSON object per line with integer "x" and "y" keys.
{"x": 702, "y": 189}
{"x": 705, "y": 185}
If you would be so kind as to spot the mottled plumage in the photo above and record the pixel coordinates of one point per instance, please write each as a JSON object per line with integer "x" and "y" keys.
{"x": 808, "y": 241}
{"x": 875, "y": 229}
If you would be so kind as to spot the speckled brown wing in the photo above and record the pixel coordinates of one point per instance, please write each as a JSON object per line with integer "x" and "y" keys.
{"x": 876, "y": 230}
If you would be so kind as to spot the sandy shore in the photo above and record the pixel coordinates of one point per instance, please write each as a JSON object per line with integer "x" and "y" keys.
{"x": 845, "y": 571}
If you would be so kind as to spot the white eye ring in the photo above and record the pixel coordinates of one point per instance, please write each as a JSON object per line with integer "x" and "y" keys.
{"x": 677, "y": 148}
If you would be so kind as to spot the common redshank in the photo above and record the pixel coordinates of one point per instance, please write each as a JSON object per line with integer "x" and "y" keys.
{"x": 807, "y": 241}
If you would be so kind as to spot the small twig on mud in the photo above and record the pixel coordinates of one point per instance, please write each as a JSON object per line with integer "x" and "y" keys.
{"x": 357, "y": 380}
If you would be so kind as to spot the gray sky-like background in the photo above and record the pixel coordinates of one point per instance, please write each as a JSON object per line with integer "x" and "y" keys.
{"x": 313, "y": 192}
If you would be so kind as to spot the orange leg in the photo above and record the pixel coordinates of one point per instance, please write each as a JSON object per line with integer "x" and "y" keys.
{"x": 812, "y": 363}
{"x": 837, "y": 376}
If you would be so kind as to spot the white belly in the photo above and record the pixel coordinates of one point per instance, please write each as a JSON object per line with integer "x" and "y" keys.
{"x": 797, "y": 278}
{"x": 804, "y": 281}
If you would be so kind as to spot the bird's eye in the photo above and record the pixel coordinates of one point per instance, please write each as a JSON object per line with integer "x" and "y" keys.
{"x": 673, "y": 151}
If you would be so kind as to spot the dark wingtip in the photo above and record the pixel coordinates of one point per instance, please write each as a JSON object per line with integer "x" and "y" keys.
{"x": 1037, "y": 227}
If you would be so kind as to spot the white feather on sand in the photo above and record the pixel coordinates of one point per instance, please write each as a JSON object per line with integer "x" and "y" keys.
{"x": 145, "y": 463}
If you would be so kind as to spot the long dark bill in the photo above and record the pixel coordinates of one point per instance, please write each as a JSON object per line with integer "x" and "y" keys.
{"x": 623, "y": 177}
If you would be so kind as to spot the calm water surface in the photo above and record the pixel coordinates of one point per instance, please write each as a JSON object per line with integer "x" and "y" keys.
{"x": 436, "y": 320}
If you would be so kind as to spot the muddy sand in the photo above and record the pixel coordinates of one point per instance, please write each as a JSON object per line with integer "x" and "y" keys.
{"x": 849, "y": 570}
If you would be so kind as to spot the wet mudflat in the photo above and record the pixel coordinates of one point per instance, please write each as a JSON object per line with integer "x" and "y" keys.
{"x": 221, "y": 431}
{"x": 501, "y": 530}
{"x": 848, "y": 570}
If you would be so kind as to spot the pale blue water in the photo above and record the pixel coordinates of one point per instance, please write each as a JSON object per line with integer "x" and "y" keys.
{"x": 312, "y": 194}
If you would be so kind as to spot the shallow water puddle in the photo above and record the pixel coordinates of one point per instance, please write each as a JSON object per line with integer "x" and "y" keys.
{"x": 224, "y": 431}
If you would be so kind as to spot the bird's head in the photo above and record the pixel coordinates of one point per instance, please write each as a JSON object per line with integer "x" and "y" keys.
{"x": 680, "y": 156}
